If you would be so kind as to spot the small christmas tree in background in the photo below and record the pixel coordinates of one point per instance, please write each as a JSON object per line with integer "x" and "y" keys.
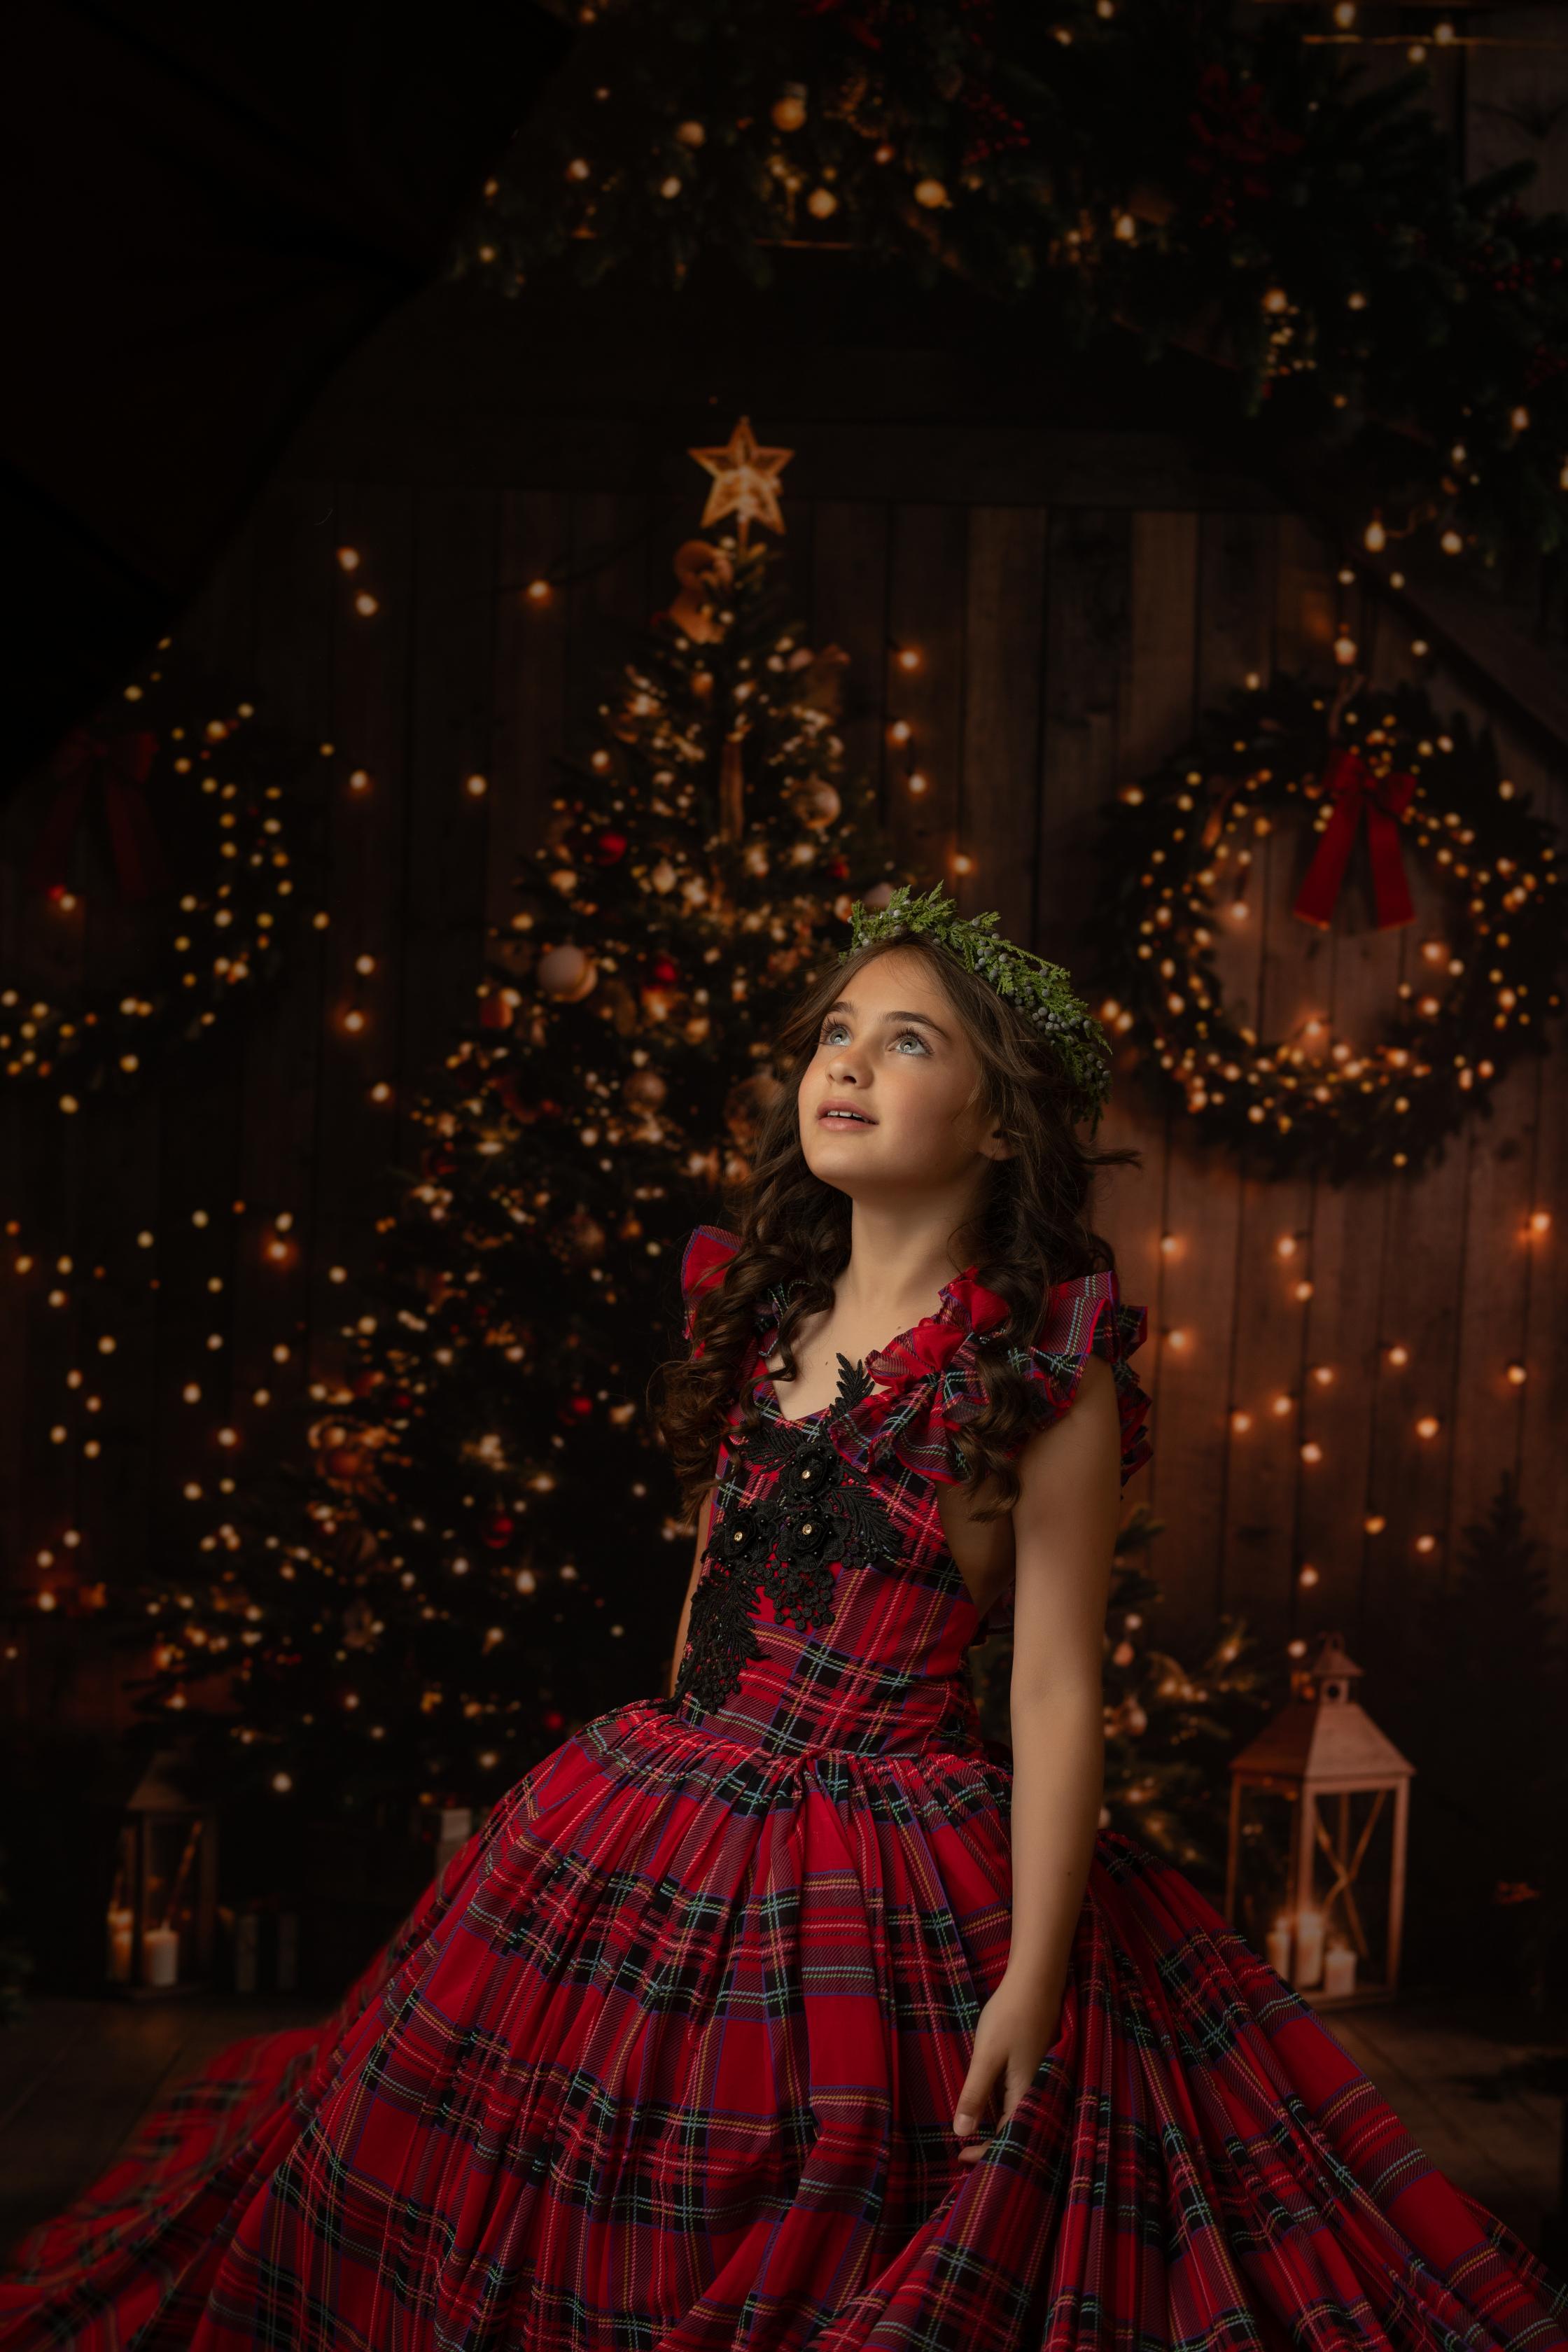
{"x": 471, "y": 1547}
{"x": 1481, "y": 1708}
{"x": 1170, "y": 1728}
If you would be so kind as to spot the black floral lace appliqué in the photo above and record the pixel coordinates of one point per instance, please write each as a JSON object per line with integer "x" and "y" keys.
{"x": 818, "y": 1510}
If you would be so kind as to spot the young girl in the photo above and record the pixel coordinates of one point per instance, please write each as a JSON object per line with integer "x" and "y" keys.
{"x": 777, "y": 2009}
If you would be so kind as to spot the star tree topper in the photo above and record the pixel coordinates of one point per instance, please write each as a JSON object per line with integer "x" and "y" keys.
{"x": 745, "y": 480}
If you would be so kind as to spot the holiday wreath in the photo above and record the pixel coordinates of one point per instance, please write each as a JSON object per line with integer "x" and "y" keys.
{"x": 169, "y": 824}
{"x": 1182, "y": 842}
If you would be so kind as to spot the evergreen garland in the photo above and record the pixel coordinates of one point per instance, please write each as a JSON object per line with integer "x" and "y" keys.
{"x": 1195, "y": 173}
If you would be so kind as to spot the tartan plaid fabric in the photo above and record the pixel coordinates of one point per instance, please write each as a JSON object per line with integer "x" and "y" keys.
{"x": 665, "y": 2058}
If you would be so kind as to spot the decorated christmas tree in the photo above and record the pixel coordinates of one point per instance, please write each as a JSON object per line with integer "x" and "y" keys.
{"x": 471, "y": 1547}
{"x": 1169, "y": 1727}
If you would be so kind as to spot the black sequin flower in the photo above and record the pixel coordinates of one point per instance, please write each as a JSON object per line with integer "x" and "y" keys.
{"x": 784, "y": 1544}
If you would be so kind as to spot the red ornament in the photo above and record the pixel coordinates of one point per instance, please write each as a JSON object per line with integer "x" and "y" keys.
{"x": 663, "y": 973}
{"x": 608, "y": 846}
{"x": 499, "y": 1530}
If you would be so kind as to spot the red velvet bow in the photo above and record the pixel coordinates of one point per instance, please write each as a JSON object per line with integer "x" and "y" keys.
{"x": 121, "y": 763}
{"x": 1356, "y": 785}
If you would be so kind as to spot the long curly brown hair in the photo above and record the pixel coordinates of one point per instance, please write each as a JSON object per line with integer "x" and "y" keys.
{"x": 1031, "y": 1231}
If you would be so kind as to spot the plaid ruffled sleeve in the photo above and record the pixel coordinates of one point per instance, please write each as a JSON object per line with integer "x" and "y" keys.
{"x": 708, "y": 1252}
{"x": 1086, "y": 1316}
{"x": 1091, "y": 1317}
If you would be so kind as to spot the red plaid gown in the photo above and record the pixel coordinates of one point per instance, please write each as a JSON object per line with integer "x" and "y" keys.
{"x": 666, "y": 2059}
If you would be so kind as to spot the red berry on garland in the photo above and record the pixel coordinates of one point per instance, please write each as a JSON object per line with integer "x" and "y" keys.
{"x": 608, "y": 846}
{"x": 577, "y": 1408}
{"x": 663, "y": 973}
{"x": 499, "y": 1530}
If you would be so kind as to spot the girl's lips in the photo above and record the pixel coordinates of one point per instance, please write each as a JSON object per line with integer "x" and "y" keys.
{"x": 834, "y": 1115}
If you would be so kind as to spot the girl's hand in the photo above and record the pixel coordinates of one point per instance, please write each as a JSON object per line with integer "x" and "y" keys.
{"x": 1013, "y": 2033}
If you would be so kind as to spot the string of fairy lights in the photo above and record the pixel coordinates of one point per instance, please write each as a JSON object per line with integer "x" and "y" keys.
{"x": 229, "y": 790}
{"x": 61, "y": 1579}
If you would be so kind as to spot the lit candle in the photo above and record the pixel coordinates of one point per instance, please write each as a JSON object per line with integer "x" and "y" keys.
{"x": 1339, "y": 1971}
{"x": 1308, "y": 1949}
{"x": 121, "y": 1922}
{"x": 1278, "y": 1945}
{"x": 160, "y": 1955}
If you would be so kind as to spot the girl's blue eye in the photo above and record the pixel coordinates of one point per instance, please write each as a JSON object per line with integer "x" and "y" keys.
{"x": 829, "y": 1027}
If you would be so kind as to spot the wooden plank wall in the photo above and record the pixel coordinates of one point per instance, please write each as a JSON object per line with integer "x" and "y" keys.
{"x": 1062, "y": 648}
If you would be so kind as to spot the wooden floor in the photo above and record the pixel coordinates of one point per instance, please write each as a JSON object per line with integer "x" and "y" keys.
{"x": 75, "y": 2077}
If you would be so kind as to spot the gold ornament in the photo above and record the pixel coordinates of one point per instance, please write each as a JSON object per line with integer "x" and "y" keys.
{"x": 815, "y": 803}
{"x": 704, "y": 572}
{"x": 566, "y": 973}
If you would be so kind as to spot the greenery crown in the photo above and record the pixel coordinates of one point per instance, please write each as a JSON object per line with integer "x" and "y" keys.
{"x": 1042, "y": 991}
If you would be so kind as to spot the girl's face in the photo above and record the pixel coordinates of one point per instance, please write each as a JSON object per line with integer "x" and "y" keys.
{"x": 887, "y": 1101}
